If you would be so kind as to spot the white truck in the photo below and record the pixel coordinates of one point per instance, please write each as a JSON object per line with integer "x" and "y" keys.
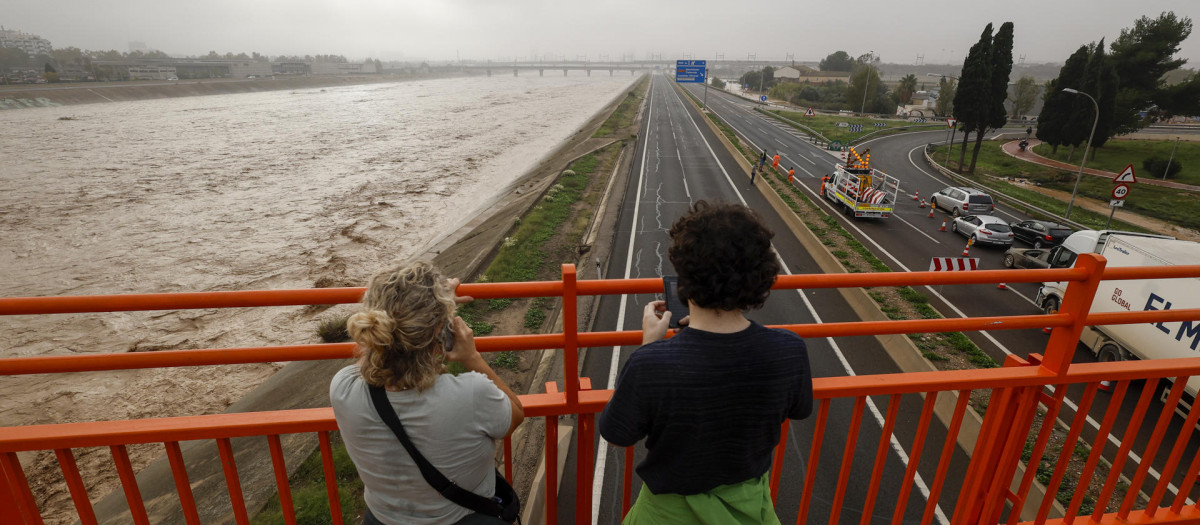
{"x": 862, "y": 191}
{"x": 1163, "y": 340}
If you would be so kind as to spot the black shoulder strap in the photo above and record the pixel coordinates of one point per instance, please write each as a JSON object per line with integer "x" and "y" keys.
{"x": 432, "y": 475}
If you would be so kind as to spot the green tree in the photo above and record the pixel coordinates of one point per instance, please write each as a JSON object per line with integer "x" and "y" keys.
{"x": 1058, "y": 106}
{"x": 1142, "y": 55}
{"x": 1000, "y": 64}
{"x": 945, "y": 101}
{"x": 1102, "y": 78}
{"x": 971, "y": 101}
{"x": 717, "y": 83}
{"x": 837, "y": 61}
{"x": 1183, "y": 97}
{"x": 1024, "y": 96}
{"x": 11, "y": 57}
{"x": 865, "y": 78}
{"x": 906, "y": 88}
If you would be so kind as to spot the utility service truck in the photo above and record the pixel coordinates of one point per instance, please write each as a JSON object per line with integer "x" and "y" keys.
{"x": 861, "y": 190}
{"x": 1165, "y": 340}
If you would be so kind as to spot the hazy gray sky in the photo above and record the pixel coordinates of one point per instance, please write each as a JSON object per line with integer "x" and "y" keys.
{"x": 898, "y": 31}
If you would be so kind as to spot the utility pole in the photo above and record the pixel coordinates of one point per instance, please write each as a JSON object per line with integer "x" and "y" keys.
{"x": 866, "y": 82}
{"x": 1168, "y": 170}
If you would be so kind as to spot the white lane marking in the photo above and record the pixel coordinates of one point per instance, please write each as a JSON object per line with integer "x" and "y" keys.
{"x": 602, "y": 454}
{"x": 914, "y": 227}
{"x": 895, "y": 443}
{"x": 940, "y": 181}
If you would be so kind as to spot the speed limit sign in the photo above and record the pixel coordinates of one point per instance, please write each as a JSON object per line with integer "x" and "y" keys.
{"x": 1120, "y": 191}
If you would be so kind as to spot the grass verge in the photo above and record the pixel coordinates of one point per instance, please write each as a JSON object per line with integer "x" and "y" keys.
{"x": 623, "y": 116}
{"x": 1169, "y": 205}
{"x": 827, "y": 125}
{"x": 1116, "y": 154}
{"x": 309, "y": 497}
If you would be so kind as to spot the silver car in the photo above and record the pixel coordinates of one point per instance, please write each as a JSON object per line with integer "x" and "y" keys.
{"x": 962, "y": 201}
{"x": 984, "y": 229}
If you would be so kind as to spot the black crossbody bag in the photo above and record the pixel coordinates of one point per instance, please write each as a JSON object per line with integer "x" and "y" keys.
{"x": 505, "y": 506}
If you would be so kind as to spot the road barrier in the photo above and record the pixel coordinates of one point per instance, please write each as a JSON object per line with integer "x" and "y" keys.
{"x": 987, "y": 490}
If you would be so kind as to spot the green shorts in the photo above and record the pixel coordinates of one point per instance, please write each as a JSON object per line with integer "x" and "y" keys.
{"x": 748, "y": 502}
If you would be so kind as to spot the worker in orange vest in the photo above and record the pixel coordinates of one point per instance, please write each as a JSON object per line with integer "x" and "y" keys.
{"x": 791, "y": 175}
{"x": 823, "y": 181}
{"x": 775, "y": 161}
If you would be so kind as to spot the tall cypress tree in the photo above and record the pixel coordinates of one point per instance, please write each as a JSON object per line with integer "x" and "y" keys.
{"x": 974, "y": 90}
{"x": 1000, "y": 60}
{"x": 1108, "y": 84}
{"x": 1058, "y": 107}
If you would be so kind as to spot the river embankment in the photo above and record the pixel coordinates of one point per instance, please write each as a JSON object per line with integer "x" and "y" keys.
{"x": 69, "y": 94}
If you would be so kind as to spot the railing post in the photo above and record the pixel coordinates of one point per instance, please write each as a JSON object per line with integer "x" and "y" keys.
{"x": 570, "y": 338}
{"x": 993, "y": 462}
{"x": 1077, "y": 301}
{"x": 9, "y": 511}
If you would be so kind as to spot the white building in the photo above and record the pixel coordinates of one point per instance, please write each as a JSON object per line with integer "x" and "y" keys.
{"x": 248, "y": 68}
{"x": 787, "y": 74}
{"x": 30, "y": 44}
{"x": 151, "y": 72}
{"x": 341, "y": 68}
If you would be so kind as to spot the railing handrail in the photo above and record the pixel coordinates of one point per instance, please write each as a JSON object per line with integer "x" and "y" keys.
{"x": 297, "y": 297}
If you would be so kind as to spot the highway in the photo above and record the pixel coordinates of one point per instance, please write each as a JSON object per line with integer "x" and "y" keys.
{"x": 909, "y": 239}
{"x": 679, "y": 161}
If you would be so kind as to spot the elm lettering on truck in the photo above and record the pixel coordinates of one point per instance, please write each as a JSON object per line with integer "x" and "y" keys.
{"x": 1186, "y": 328}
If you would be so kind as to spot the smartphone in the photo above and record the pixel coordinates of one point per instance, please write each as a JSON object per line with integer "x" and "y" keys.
{"x": 677, "y": 307}
{"x": 447, "y": 339}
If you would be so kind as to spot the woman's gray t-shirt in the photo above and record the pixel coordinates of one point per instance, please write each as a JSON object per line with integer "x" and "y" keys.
{"x": 454, "y": 424}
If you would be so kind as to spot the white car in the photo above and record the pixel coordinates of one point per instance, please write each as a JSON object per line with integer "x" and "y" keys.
{"x": 984, "y": 229}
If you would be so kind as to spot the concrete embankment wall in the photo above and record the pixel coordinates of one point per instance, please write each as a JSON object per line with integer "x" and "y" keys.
{"x": 47, "y": 95}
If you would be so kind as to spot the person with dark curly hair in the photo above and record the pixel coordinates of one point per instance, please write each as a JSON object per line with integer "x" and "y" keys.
{"x": 710, "y": 400}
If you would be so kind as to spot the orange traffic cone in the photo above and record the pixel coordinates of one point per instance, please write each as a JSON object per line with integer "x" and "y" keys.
{"x": 943, "y": 225}
{"x": 1002, "y": 286}
{"x": 922, "y": 203}
{"x": 1106, "y": 386}
{"x": 1046, "y": 330}
{"x": 917, "y": 196}
{"x": 931, "y": 212}
{"x": 967, "y": 250}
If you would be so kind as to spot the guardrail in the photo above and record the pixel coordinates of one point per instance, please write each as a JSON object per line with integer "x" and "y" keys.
{"x": 988, "y": 489}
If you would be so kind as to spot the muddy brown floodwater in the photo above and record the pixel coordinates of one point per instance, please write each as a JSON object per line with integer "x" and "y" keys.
{"x": 320, "y": 187}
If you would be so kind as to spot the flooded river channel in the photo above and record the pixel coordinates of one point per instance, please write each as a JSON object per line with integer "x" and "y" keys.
{"x": 319, "y": 187}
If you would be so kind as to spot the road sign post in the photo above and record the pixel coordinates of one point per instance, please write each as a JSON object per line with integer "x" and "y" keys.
{"x": 1120, "y": 191}
{"x": 690, "y": 71}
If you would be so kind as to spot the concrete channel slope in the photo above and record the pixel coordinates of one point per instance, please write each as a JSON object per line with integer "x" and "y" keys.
{"x": 909, "y": 239}
{"x": 679, "y": 161}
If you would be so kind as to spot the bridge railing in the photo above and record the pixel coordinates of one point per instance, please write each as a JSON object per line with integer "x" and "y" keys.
{"x": 986, "y": 487}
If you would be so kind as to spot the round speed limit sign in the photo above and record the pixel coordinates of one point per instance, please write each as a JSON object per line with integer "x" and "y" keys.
{"x": 1120, "y": 191}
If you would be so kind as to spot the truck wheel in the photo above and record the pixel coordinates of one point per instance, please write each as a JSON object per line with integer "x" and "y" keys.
{"x": 1109, "y": 353}
{"x": 1009, "y": 262}
{"x": 1050, "y": 305}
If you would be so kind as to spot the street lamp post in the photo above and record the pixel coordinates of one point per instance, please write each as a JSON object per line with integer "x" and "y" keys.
{"x": 866, "y": 82}
{"x": 1082, "y": 162}
{"x": 953, "y": 129}
{"x": 1172, "y": 159}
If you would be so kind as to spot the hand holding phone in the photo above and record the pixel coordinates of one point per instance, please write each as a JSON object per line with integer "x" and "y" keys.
{"x": 675, "y": 305}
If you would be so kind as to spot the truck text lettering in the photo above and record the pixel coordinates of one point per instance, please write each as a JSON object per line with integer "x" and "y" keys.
{"x": 1150, "y": 306}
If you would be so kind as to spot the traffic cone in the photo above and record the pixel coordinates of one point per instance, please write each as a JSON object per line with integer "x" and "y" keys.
{"x": 1002, "y": 286}
{"x": 917, "y": 195}
{"x": 943, "y": 225}
{"x": 923, "y": 203}
{"x": 1106, "y": 386}
{"x": 967, "y": 250}
{"x": 931, "y": 212}
{"x": 1046, "y": 330}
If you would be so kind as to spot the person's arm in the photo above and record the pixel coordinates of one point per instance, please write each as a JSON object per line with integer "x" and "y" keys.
{"x": 465, "y": 352}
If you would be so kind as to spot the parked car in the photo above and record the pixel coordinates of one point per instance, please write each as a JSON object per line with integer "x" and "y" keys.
{"x": 1040, "y": 233}
{"x": 1027, "y": 258}
{"x": 962, "y": 201}
{"x": 984, "y": 229}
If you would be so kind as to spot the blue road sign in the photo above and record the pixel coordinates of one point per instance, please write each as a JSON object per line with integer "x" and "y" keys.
{"x": 690, "y": 70}
{"x": 763, "y": 98}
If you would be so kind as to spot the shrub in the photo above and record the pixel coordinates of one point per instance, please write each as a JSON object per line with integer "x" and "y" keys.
{"x": 333, "y": 330}
{"x": 1155, "y": 166}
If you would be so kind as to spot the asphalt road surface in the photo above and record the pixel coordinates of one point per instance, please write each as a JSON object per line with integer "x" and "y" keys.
{"x": 679, "y": 161}
{"x": 909, "y": 239}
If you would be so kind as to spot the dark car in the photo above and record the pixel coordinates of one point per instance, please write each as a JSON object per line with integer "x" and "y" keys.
{"x": 1027, "y": 258}
{"x": 1040, "y": 233}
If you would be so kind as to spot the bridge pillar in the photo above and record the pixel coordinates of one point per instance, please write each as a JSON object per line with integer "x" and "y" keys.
{"x": 541, "y": 72}
{"x": 489, "y": 72}
{"x": 564, "y": 72}
{"x": 610, "y": 72}
{"x": 589, "y": 72}
{"x": 514, "y": 71}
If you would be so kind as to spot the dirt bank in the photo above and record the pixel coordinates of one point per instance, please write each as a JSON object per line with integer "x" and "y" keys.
{"x": 52, "y": 95}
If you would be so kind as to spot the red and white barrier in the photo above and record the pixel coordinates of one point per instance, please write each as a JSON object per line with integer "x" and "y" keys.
{"x": 953, "y": 264}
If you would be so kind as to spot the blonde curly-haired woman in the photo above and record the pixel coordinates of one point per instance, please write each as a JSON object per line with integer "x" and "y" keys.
{"x": 406, "y": 332}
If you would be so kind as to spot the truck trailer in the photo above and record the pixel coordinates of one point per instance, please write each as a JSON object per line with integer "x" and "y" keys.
{"x": 1164, "y": 340}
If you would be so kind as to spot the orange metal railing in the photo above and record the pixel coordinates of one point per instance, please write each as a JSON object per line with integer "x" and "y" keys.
{"x": 987, "y": 492}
